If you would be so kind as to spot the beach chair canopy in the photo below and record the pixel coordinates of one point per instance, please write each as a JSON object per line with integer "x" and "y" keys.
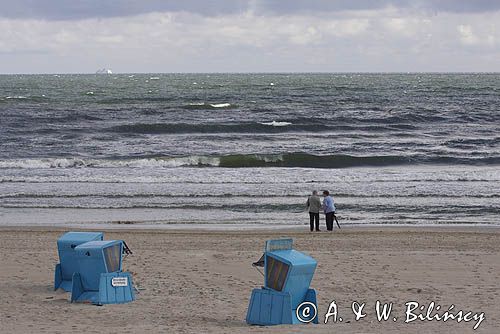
{"x": 96, "y": 257}
{"x": 68, "y": 263}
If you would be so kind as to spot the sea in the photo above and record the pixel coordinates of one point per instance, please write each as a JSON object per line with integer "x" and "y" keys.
{"x": 243, "y": 151}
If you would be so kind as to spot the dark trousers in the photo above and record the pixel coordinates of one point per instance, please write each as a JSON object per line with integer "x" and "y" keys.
{"x": 314, "y": 217}
{"x": 329, "y": 220}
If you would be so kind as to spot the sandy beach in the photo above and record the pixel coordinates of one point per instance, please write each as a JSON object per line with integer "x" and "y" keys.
{"x": 200, "y": 281}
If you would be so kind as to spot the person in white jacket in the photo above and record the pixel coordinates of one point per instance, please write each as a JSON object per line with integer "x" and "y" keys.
{"x": 314, "y": 205}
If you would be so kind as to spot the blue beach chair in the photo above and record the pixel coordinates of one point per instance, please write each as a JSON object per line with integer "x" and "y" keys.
{"x": 99, "y": 279}
{"x": 287, "y": 277}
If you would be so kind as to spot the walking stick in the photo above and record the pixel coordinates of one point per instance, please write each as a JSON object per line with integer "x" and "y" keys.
{"x": 336, "y": 220}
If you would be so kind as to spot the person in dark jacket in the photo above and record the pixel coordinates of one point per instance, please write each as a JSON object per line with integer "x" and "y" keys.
{"x": 329, "y": 210}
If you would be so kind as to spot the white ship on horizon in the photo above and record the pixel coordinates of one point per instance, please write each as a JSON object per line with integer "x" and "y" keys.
{"x": 104, "y": 71}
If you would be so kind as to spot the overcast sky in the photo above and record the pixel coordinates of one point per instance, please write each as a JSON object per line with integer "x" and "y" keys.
{"x": 62, "y": 36}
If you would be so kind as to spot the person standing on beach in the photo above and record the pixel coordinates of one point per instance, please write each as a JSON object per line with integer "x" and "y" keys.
{"x": 314, "y": 205}
{"x": 328, "y": 209}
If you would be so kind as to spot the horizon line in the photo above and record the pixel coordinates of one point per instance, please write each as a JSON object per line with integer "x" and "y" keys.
{"x": 257, "y": 72}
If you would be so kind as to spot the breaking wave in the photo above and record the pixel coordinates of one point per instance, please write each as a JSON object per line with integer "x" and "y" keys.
{"x": 203, "y": 105}
{"x": 302, "y": 160}
{"x": 274, "y": 123}
{"x": 109, "y": 163}
{"x": 25, "y": 98}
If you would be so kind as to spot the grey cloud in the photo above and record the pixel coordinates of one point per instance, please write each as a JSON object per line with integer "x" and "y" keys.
{"x": 349, "y": 41}
{"x": 462, "y": 6}
{"x": 81, "y": 9}
{"x": 318, "y": 6}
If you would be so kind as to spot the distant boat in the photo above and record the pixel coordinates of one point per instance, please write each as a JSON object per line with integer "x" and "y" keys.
{"x": 104, "y": 71}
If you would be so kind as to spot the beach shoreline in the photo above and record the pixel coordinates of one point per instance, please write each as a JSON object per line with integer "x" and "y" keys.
{"x": 278, "y": 229}
{"x": 194, "y": 228}
{"x": 200, "y": 281}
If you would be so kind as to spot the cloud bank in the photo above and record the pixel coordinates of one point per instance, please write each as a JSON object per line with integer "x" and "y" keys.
{"x": 249, "y": 36}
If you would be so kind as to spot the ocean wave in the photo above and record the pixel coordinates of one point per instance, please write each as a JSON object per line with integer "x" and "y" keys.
{"x": 274, "y": 123}
{"x": 44, "y": 163}
{"x": 181, "y": 128}
{"x": 471, "y": 143}
{"x": 24, "y": 195}
{"x": 291, "y": 125}
{"x": 22, "y": 98}
{"x": 308, "y": 160}
{"x": 146, "y": 195}
{"x": 109, "y": 163}
{"x": 302, "y": 160}
{"x": 255, "y": 208}
{"x": 382, "y": 212}
{"x": 203, "y": 105}
{"x": 16, "y": 97}
{"x": 220, "y": 105}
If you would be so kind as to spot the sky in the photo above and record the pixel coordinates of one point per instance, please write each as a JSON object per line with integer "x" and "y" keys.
{"x": 61, "y": 36}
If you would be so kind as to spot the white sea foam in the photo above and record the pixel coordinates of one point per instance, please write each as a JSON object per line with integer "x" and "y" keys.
{"x": 165, "y": 162}
{"x": 220, "y": 105}
{"x": 101, "y": 163}
{"x": 274, "y": 123}
{"x": 271, "y": 158}
{"x": 154, "y": 78}
{"x": 44, "y": 163}
{"x": 212, "y": 105}
{"x": 16, "y": 97}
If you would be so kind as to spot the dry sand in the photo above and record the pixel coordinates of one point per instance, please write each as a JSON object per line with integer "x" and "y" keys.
{"x": 200, "y": 282}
